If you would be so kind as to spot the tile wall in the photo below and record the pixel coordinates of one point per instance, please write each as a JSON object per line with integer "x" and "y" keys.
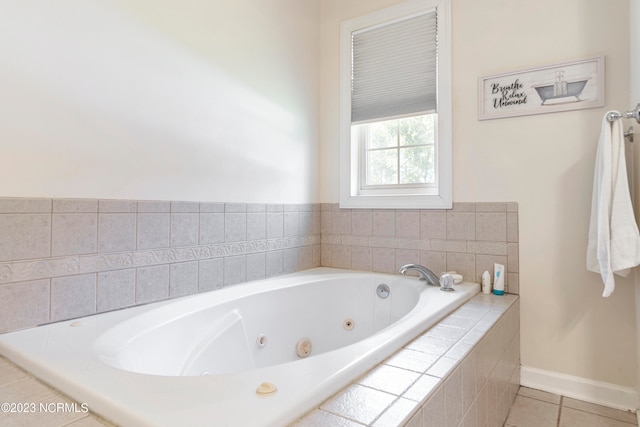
{"x": 67, "y": 258}
{"x": 62, "y": 258}
{"x": 465, "y": 371}
{"x": 468, "y": 239}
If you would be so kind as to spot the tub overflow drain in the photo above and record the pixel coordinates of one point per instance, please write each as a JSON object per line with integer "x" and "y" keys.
{"x": 303, "y": 348}
{"x": 383, "y": 290}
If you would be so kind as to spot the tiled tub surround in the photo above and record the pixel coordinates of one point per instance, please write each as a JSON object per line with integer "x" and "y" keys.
{"x": 67, "y": 258}
{"x": 468, "y": 239}
{"x": 465, "y": 371}
{"x": 462, "y": 372}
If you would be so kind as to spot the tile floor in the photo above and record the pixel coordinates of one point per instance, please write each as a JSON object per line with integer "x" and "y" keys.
{"x": 534, "y": 408}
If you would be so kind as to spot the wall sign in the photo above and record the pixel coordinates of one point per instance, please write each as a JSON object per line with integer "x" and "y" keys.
{"x": 549, "y": 89}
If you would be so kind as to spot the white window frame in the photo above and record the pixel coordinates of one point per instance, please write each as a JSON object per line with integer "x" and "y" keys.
{"x": 419, "y": 197}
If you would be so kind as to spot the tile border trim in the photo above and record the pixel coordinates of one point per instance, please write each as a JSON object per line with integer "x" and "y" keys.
{"x": 22, "y": 271}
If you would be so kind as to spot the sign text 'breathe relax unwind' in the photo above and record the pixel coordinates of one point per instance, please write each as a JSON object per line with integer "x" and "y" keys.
{"x": 552, "y": 88}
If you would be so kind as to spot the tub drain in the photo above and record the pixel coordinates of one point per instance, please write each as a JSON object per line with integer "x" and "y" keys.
{"x": 303, "y": 348}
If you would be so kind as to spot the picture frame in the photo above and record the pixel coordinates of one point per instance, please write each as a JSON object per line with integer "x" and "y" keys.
{"x": 565, "y": 86}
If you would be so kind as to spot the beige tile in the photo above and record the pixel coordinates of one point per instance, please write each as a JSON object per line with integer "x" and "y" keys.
{"x": 235, "y": 227}
{"x": 443, "y": 367}
{"x": 463, "y": 207}
{"x": 539, "y": 395}
{"x": 399, "y": 412}
{"x": 453, "y": 397}
{"x": 320, "y": 418}
{"x": 574, "y": 418}
{"x": 292, "y": 224}
{"x": 361, "y": 222}
{"x": 604, "y": 411}
{"x": 10, "y": 374}
{"x": 24, "y": 205}
{"x": 413, "y": 360}
{"x": 235, "y": 269}
{"x": 361, "y": 258}
{"x": 153, "y": 206}
{"x": 487, "y": 248}
{"x": 512, "y": 227}
{"x": 384, "y": 223}
{"x": 513, "y": 283}
{"x": 408, "y": 224}
{"x": 433, "y": 412}
{"x": 461, "y": 226}
{"x": 116, "y": 289}
{"x": 75, "y": 206}
{"x": 274, "y": 262}
{"x": 116, "y": 232}
{"x": 383, "y": 260}
{"x": 341, "y": 256}
{"x": 153, "y": 230}
{"x": 184, "y": 229}
{"x": 183, "y": 279}
{"x": 27, "y": 390}
{"x": 433, "y": 225}
{"x": 256, "y": 225}
{"x": 210, "y": 273}
{"x": 469, "y": 390}
{"x": 90, "y": 421}
{"x": 275, "y": 224}
{"x": 25, "y": 236}
{"x": 389, "y": 379}
{"x": 408, "y": 256}
{"x": 74, "y": 233}
{"x": 73, "y": 296}
{"x": 527, "y": 412}
{"x": 491, "y": 226}
{"x": 513, "y": 262}
{"x": 359, "y": 403}
{"x": 213, "y": 207}
{"x": 422, "y": 388}
{"x": 464, "y": 264}
{"x": 256, "y": 263}
{"x": 152, "y": 284}
{"x": 188, "y": 207}
{"x": 431, "y": 345}
{"x": 491, "y": 207}
{"x": 118, "y": 206}
{"x": 341, "y": 221}
{"x": 435, "y": 261}
{"x": 24, "y": 305}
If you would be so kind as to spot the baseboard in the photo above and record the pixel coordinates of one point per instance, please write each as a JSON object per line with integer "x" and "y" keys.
{"x": 601, "y": 393}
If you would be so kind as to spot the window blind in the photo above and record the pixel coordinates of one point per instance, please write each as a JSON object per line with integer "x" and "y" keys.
{"x": 394, "y": 69}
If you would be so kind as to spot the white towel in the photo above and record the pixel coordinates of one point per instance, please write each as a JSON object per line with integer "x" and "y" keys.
{"x": 614, "y": 242}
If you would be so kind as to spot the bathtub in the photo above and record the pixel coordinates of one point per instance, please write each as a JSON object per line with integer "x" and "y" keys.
{"x": 256, "y": 354}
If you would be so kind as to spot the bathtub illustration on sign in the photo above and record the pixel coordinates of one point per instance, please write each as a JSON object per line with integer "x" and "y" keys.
{"x": 561, "y": 89}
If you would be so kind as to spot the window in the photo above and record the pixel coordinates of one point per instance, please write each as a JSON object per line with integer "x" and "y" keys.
{"x": 395, "y": 116}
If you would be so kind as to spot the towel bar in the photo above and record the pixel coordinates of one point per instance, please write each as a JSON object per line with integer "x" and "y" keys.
{"x": 633, "y": 114}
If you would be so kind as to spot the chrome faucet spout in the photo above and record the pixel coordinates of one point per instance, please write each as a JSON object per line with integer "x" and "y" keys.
{"x": 424, "y": 273}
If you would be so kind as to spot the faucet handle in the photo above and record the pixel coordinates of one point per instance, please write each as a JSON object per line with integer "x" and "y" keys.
{"x": 446, "y": 282}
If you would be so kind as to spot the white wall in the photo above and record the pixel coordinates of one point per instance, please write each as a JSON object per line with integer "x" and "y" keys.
{"x": 543, "y": 162}
{"x": 205, "y": 100}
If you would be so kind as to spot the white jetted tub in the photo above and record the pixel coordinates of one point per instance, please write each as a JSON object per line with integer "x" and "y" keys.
{"x": 257, "y": 354}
